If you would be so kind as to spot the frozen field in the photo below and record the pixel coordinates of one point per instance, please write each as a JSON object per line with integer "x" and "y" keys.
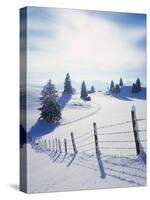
{"x": 117, "y": 165}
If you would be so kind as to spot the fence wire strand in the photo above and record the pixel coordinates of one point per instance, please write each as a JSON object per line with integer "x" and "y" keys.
{"x": 80, "y": 140}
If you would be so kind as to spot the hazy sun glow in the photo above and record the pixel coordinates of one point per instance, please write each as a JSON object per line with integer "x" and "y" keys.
{"x": 87, "y": 45}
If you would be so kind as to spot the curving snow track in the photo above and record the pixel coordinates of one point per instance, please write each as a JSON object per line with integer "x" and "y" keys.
{"x": 81, "y": 118}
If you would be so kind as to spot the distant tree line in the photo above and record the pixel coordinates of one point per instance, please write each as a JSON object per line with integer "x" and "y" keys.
{"x": 115, "y": 88}
{"x": 50, "y": 109}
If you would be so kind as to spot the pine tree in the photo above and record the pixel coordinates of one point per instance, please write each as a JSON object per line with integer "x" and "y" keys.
{"x": 134, "y": 88}
{"x": 120, "y": 82}
{"x": 84, "y": 93}
{"x": 50, "y": 109}
{"x": 92, "y": 89}
{"x": 112, "y": 86}
{"x": 117, "y": 89}
{"x": 67, "y": 84}
{"x": 138, "y": 85}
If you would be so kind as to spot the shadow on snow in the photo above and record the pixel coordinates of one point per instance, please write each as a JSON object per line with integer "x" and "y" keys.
{"x": 63, "y": 100}
{"x": 126, "y": 94}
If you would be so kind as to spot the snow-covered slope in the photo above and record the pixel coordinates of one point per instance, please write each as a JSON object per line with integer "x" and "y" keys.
{"x": 51, "y": 171}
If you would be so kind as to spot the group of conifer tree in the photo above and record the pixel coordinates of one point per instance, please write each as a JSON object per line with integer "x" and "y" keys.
{"x": 115, "y": 88}
{"x": 50, "y": 109}
{"x": 136, "y": 87}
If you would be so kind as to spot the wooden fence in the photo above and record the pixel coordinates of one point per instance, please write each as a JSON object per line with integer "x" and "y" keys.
{"x": 76, "y": 144}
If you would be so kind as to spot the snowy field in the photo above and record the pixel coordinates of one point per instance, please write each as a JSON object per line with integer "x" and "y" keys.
{"x": 117, "y": 164}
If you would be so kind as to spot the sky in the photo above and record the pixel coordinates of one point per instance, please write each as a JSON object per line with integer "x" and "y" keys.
{"x": 90, "y": 45}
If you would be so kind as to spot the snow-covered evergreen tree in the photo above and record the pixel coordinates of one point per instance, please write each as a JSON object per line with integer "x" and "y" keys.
{"x": 92, "y": 89}
{"x": 120, "y": 82}
{"x": 112, "y": 86}
{"x": 67, "y": 84}
{"x": 134, "y": 89}
{"x": 117, "y": 89}
{"x": 50, "y": 109}
{"x": 138, "y": 85}
{"x": 84, "y": 93}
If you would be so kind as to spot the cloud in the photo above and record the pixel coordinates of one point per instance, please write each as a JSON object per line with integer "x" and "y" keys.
{"x": 84, "y": 45}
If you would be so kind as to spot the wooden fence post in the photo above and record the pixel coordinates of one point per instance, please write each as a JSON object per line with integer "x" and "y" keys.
{"x": 56, "y": 142}
{"x": 59, "y": 144}
{"x": 65, "y": 144}
{"x": 36, "y": 143}
{"x": 42, "y": 145}
{"x": 96, "y": 138}
{"x": 45, "y": 145}
{"x": 73, "y": 143}
{"x": 98, "y": 154}
{"x": 135, "y": 131}
{"x": 49, "y": 145}
{"x": 53, "y": 145}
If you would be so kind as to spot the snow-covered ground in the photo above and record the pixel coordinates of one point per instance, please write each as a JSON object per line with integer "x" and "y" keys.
{"x": 117, "y": 164}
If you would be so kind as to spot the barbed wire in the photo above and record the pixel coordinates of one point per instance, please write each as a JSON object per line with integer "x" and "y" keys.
{"x": 110, "y": 125}
{"x": 87, "y": 150}
{"x": 82, "y": 136}
{"x": 79, "y": 141}
{"x": 115, "y": 133}
{"x": 117, "y": 148}
{"x": 85, "y": 145}
{"x": 120, "y": 132}
{"x": 119, "y": 141}
{"x": 83, "y": 140}
{"x": 69, "y": 147}
{"x": 142, "y": 119}
{"x": 116, "y": 124}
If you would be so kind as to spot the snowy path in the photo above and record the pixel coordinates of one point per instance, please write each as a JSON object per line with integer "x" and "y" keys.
{"x": 82, "y": 118}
